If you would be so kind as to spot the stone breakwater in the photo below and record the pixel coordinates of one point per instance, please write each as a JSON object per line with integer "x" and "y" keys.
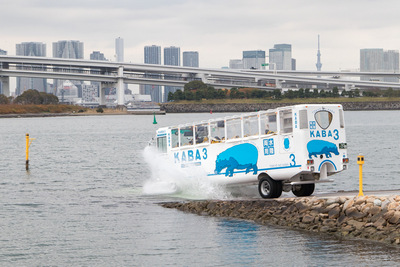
{"x": 243, "y": 107}
{"x": 368, "y": 217}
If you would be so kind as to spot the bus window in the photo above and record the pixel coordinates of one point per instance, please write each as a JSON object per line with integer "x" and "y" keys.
{"x": 268, "y": 123}
{"x": 186, "y": 136}
{"x": 250, "y": 126}
{"x": 201, "y": 133}
{"x": 286, "y": 121}
{"x": 323, "y": 118}
{"x": 162, "y": 144}
{"x": 303, "y": 119}
{"x": 233, "y": 128}
{"x": 217, "y": 131}
{"x": 174, "y": 138}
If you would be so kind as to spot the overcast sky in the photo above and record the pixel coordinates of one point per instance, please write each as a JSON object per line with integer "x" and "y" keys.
{"x": 218, "y": 29}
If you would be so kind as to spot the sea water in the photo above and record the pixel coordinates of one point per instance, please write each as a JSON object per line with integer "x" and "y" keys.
{"x": 92, "y": 194}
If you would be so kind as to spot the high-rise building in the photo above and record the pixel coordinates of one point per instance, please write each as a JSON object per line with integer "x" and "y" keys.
{"x": 31, "y": 49}
{"x": 89, "y": 92}
{"x": 253, "y": 59}
{"x": 96, "y": 55}
{"x": 67, "y": 49}
{"x": 152, "y": 55}
{"x": 293, "y": 64}
{"x": 379, "y": 60}
{"x": 95, "y": 86}
{"x": 235, "y": 64}
{"x": 119, "y": 54}
{"x": 119, "y": 49}
{"x": 190, "y": 59}
{"x": 281, "y": 57}
{"x": 172, "y": 57}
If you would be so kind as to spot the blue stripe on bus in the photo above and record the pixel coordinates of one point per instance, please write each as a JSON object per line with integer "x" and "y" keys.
{"x": 266, "y": 169}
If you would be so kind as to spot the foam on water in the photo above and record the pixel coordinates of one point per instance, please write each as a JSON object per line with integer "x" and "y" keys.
{"x": 170, "y": 179}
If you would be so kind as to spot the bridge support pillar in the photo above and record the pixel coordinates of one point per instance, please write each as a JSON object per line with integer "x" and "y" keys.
{"x": 120, "y": 87}
{"x": 202, "y": 77}
{"x": 102, "y": 94}
{"x": 278, "y": 84}
{"x": 5, "y": 85}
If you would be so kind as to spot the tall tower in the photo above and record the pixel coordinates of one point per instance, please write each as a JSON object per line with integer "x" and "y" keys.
{"x": 31, "y": 49}
{"x": 94, "y": 86}
{"x": 379, "y": 60}
{"x": 96, "y": 55}
{"x": 152, "y": 55}
{"x": 253, "y": 59}
{"x": 281, "y": 55}
{"x": 191, "y": 59}
{"x": 172, "y": 57}
{"x": 319, "y": 64}
{"x": 68, "y": 49}
{"x": 119, "y": 49}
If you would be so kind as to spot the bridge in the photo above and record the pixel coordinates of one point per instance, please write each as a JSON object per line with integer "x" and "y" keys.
{"x": 116, "y": 74}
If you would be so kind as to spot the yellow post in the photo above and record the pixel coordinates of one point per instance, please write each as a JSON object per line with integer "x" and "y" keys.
{"x": 27, "y": 152}
{"x": 28, "y": 143}
{"x": 360, "y": 162}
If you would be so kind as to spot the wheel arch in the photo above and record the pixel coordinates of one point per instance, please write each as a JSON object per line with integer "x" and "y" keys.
{"x": 262, "y": 175}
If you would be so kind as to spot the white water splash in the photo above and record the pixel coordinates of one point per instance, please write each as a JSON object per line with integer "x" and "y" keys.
{"x": 170, "y": 179}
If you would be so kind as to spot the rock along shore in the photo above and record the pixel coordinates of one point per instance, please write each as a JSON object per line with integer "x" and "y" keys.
{"x": 244, "y": 107}
{"x": 367, "y": 217}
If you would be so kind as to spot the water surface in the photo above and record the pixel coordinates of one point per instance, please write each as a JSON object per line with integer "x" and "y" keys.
{"x": 82, "y": 201}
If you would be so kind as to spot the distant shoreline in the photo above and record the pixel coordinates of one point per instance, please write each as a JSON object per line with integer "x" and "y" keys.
{"x": 198, "y": 107}
{"x": 251, "y": 107}
{"x": 46, "y": 115}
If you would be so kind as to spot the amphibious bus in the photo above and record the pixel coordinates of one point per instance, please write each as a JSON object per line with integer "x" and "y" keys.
{"x": 284, "y": 149}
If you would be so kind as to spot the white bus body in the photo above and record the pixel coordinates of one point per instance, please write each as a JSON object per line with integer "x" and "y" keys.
{"x": 283, "y": 149}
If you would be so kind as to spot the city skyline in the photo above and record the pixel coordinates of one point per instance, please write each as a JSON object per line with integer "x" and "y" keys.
{"x": 218, "y": 35}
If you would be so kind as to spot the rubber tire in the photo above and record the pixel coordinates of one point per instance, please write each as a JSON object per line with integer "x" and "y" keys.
{"x": 269, "y": 188}
{"x": 304, "y": 191}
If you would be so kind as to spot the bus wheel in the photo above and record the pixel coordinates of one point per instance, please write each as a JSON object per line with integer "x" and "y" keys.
{"x": 269, "y": 188}
{"x": 303, "y": 190}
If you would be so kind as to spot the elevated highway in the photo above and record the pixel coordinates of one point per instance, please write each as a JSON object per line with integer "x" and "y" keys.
{"x": 115, "y": 74}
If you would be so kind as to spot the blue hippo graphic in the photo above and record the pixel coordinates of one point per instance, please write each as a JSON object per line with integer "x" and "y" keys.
{"x": 243, "y": 156}
{"x": 321, "y": 147}
{"x": 286, "y": 143}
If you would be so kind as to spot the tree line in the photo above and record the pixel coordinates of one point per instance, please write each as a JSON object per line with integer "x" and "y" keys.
{"x": 197, "y": 90}
{"x": 30, "y": 96}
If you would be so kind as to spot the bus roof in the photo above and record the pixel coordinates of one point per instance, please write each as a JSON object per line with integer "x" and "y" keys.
{"x": 298, "y": 106}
